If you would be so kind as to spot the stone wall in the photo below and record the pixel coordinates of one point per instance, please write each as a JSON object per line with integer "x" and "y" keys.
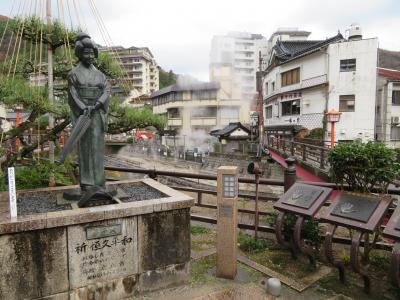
{"x": 140, "y": 247}
{"x": 150, "y": 252}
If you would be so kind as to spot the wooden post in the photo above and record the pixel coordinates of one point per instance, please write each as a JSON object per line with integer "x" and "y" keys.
{"x": 199, "y": 197}
{"x": 289, "y": 176}
{"x": 227, "y": 194}
{"x": 17, "y": 122}
{"x": 62, "y": 137}
{"x": 304, "y": 153}
{"x": 256, "y": 212}
{"x": 321, "y": 163}
{"x": 52, "y": 182}
{"x": 291, "y": 148}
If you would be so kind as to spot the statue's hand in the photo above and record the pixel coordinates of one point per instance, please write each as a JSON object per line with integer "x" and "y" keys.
{"x": 89, "y": 110}
{"x": 97, "y": 106}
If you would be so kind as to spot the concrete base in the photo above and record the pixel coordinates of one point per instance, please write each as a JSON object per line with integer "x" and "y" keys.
{"x": 105, "y": 252}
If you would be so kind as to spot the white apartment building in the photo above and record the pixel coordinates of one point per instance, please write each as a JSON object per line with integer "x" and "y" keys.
{"x": 240, "y": 51}
{"x": 305, "y": 79}
{"x": 388, "y": 107}
{"x": 194, "y": 109}
{"x": 139, "y": 65}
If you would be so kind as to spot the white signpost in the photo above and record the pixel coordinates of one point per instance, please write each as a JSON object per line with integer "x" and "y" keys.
{"x": 12, "y": 192}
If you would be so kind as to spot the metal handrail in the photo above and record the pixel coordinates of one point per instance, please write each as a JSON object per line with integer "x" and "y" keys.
{"x": 263, "y": 181}
{"x": 154, "y": 173}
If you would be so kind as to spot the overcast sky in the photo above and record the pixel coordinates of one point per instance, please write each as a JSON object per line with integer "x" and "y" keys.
{"x": 179, "y": 32}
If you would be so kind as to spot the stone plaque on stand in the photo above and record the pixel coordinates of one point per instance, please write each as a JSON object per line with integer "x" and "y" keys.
{"x": 102, "y": 250}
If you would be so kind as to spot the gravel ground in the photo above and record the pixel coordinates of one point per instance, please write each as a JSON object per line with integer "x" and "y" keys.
{"x": 36, "y": 203}
{"x": 42, "y": 202}
{"x": 140, "y": 191}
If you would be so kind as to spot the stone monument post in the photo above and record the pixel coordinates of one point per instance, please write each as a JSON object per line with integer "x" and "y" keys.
{"x": 227, "y": 194}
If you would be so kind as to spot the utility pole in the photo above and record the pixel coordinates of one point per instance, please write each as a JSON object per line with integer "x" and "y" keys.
{"x": 260, "y": 104}
{"x": 51, "y": 93}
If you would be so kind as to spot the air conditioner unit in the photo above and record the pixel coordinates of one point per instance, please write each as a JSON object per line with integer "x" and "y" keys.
{"x": 395, "y": 120}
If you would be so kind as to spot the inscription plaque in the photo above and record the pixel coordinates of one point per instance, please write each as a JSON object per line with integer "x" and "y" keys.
{"x": 392, "y": 228}
{"x": 225, "y": 211}
{"x": 363, "y": 212}
{"x": 105, "y": 251}
{"x": 397, "y": 226}
{"x": 97, "y": 232}
{"x": 229, "y": 186}
{"x": 302, "y": 197}
{"x": 355, "y": 207}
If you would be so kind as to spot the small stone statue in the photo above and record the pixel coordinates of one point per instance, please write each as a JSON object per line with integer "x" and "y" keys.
{"x": 88, "y": 96}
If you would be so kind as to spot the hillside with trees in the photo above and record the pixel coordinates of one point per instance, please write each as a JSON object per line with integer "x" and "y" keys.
{"x": 389, "y": 59}
{"x": 167, "y": 78}
{"x": 4, "y": 36}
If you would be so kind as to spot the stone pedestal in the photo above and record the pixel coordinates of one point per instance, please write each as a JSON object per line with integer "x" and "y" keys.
{"x": 106, "y": 252}
{"x": 227, "y": 191}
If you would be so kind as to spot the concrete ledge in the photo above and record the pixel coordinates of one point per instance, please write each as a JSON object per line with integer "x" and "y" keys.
{"x": 173, "y": 200}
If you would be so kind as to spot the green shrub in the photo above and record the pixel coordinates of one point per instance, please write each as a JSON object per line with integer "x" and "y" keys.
{"x": 129, "y": 140}
{"x": 198, "y": 229}
{"x": 363, "y": 166}
{"x": 249, "y": 244}
{"x": 344, "y": 257}
{"x": 37, "y": 176}
{"x": 316, "y": 134}
{"x": 310, "y": 232}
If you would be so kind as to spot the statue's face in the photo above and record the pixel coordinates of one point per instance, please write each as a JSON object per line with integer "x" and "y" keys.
{"x": 87, "y": 56}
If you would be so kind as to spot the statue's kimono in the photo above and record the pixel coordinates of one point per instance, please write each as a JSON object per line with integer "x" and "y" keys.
{"x": 88, "y": 86}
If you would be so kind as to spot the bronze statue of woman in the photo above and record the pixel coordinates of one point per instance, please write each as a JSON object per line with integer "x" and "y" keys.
{"x": 88, "y": 93}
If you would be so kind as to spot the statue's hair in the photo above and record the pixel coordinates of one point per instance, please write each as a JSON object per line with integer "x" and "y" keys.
{"x": 83, "y": 41}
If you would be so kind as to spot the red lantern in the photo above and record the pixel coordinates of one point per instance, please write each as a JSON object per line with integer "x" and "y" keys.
{"x": 333, "y": 116}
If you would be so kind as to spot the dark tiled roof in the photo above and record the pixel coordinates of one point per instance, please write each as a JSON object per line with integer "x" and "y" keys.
{"x": 229, "y": 129}
{"x": 213, "y": 85}
{"x": 288, "y": 50}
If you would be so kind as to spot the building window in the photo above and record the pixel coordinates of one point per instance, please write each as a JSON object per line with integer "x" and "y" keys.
{"x": 290, "y": 77}
{"x": 396, "y": 97}
{"x": 291, "y": 108}
{"x": 204, "y": 95}
{"x": 229, "y": 113}
{"x": 347, "y": 65}
{"x": 395, "y": 133}
{"x": 347, "y": 103}
{"x": 204, "y": 112}
{"x": 266, "y": 88}
{"x": 179, "y": 96}
{"x": 273, "y": 85}
{"x": 268, "y": 112}
{"x": 174, "y": 113}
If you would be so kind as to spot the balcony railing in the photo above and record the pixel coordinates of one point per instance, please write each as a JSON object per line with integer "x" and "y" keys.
{"x": 175, "y": 122}
{"x": 306, "y": 83}
{"x": 203, "y": 121}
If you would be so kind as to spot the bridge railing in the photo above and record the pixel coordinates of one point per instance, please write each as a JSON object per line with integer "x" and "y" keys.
{"x": 313, "y": 155}
{"x": 289, "y": 179}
